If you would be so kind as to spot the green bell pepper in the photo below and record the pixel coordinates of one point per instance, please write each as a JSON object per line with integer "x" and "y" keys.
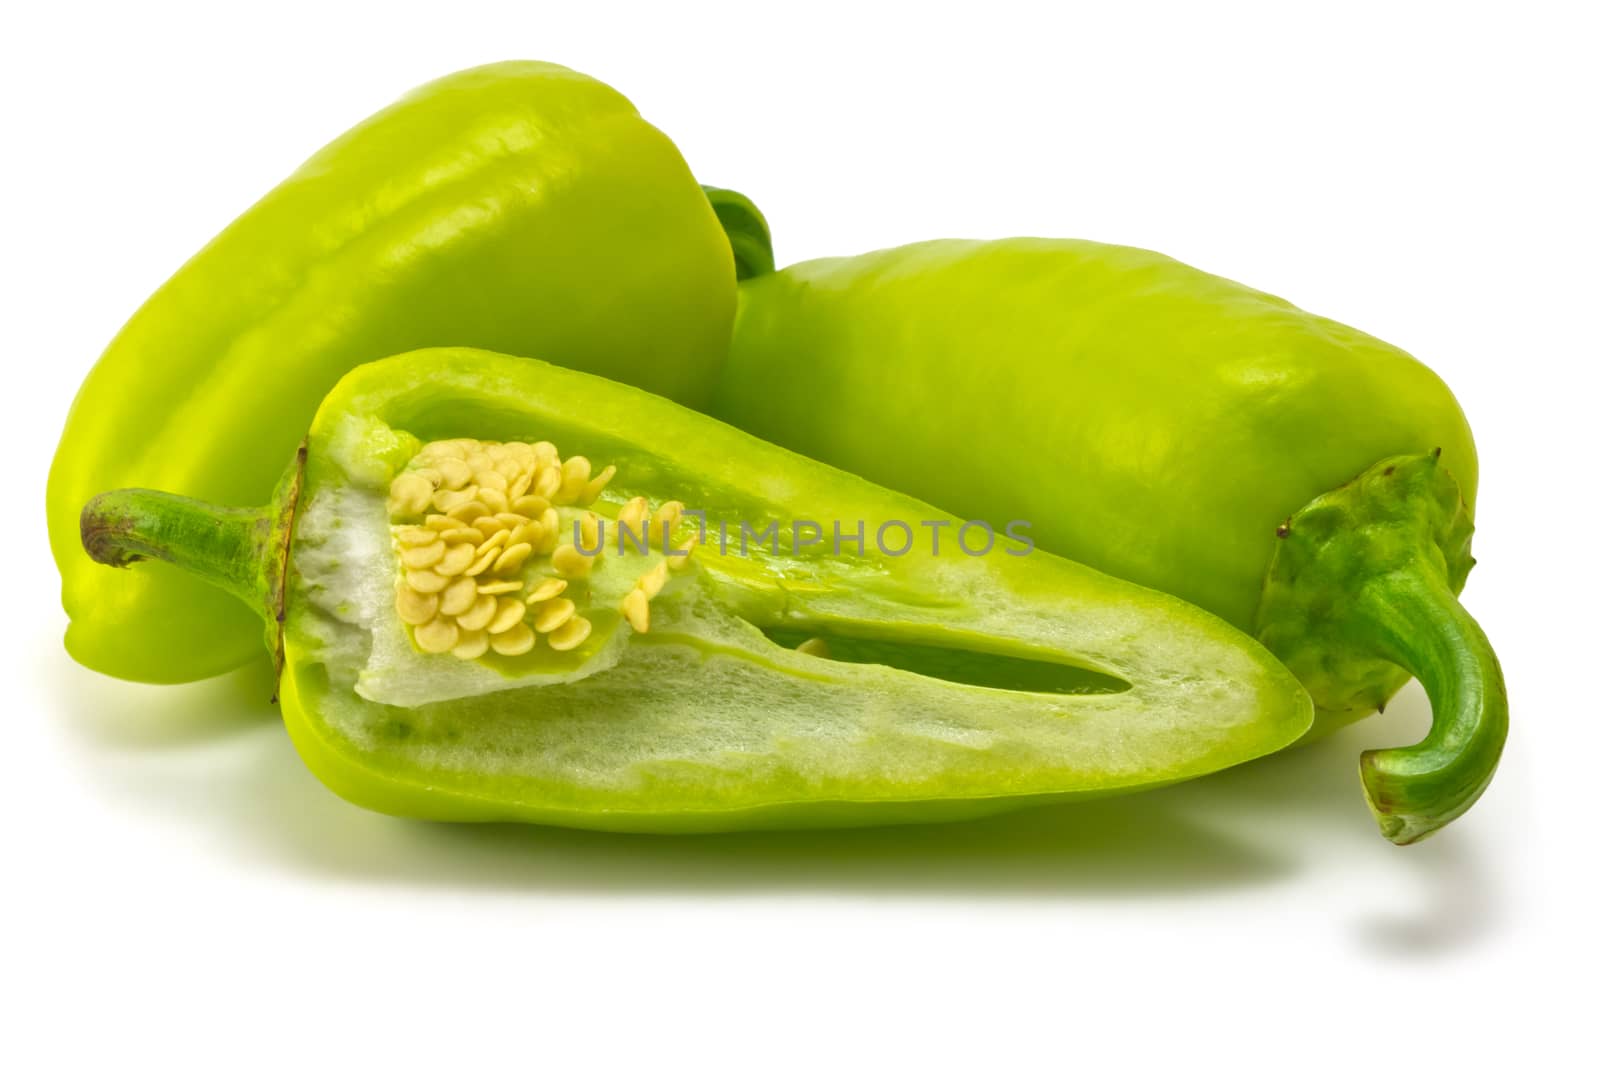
{"x": 520, "y": 206}
{"x": 1308, "y": 483}
{"x": 475, "y": 622}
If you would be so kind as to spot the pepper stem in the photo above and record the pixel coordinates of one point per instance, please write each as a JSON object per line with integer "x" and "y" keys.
{"x": 747, "y": 230}
{"x": 1416, "y": 622}
{"x": 220, "y": 545}
{"x": 1361, "y": 593}
{"x": 242, "y": 550}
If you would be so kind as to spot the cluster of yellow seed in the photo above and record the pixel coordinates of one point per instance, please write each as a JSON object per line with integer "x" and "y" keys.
{"x": 472, "y": 519}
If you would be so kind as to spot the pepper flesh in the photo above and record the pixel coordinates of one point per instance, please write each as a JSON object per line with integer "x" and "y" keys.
{"x": 719, "y": 714}
{"x": 1161, "y": 424}
{"x": 520, "y": 206}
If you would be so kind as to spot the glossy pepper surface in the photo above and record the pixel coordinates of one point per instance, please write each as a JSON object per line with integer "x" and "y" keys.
{"x": 500, "y": 590}
{"x": 1303, "y": 480}
{"x": 520, "y": 206}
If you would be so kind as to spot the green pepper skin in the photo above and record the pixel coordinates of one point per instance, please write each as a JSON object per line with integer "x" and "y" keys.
{"x": 703, "y": 723}
{"x": 519, "y": 206}
{"x": 1160, "y": 424}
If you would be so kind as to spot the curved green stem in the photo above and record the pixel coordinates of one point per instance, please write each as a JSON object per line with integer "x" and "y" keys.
{"x": 221, "y": 545}
{"x": 747, "y": 231}
{"x": 1361, "y": 593}
{"x": 1415, "y": 621}
{"x": 242, "y": 550}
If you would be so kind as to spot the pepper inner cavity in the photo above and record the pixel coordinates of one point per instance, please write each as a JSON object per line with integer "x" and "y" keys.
{"x": 497, "y": 546}
{"x": 963, "y": 666}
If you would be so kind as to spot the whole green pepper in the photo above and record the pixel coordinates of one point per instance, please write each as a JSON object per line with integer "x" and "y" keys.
{"x": 475, "y": 622}
{"x": 520, "y": 206}
{"x": 1308, "y": 483}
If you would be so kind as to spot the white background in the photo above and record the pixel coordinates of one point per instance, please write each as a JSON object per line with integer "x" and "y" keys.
{"x": 177, "y": 886}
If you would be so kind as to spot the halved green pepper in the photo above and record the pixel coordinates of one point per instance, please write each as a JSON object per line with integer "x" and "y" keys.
{"x": 482, "y": 580}
{"x": 519, "y": 206}
{"x": 1305, "y": 481}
